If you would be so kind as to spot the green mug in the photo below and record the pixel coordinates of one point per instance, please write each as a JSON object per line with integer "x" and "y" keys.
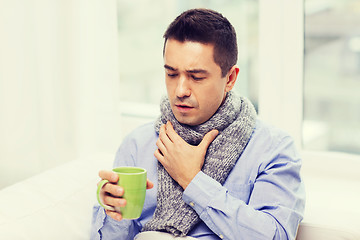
{"x": 133, "y": 181}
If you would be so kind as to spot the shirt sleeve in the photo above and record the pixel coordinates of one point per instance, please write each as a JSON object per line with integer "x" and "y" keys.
{"x": 275, "y": 205}
{"x": 104, "y": 227}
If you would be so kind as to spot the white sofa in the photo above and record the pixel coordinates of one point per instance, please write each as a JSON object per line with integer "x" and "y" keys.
{"x": 57, "y": 204}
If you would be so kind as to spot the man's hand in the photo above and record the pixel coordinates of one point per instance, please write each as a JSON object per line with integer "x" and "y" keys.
{"x": 180, "y": 159}
{"x": 112, "y": 193}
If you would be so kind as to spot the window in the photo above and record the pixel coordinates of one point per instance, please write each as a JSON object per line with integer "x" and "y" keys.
{"x": 305, "y": 80}
{"x": 141, "y": 41}
{"x": 332, "y": 76}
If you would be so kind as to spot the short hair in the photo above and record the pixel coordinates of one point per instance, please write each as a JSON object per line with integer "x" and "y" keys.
{"x": 206, "y": 26}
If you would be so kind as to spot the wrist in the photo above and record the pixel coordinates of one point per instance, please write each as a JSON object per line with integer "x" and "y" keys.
{"x": 184, "y": 183}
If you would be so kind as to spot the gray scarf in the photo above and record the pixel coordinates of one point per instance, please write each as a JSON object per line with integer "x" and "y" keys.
{"x": 235, "y": 121}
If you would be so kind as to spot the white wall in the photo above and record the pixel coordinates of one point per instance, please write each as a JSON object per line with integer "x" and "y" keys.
{"x": 58, "y": 83}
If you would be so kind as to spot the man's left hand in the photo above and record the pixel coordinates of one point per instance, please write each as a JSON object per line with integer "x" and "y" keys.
{"x": 180, "y": 159}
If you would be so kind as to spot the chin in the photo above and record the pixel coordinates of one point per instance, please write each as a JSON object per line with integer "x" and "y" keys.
{"x": 188, "y": 121}
{"x": 185, "y": 120}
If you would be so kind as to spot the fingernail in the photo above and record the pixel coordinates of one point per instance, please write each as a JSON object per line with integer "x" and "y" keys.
{"x": 118, "y": 217}
{"x": 120, "y": 191}
{"x": 114, "y": 178}
{"x": 122, "y": 202}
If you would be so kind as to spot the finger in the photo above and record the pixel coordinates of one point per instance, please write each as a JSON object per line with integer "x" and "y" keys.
{"x": 149, "y": 184}
{"x": 161, "y": 146}
{"x": 173, "y": 136}
{"x": 113, "y": 189}
{"x": 109, "y": 175}
{"x": 164, "y": 137}
{"x": 159, "y": 156}
{"x": 208, "y": 138}
{"x": 114, "y": 215}
{"x": 114, "y": 201}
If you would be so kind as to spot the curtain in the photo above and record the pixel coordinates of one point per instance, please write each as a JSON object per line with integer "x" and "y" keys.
{"x": 58, "y": 83}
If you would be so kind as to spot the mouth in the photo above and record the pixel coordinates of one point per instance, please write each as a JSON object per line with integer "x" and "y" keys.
{"x": 183, "y": 107}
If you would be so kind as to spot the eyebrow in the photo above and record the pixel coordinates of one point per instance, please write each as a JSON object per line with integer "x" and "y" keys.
{"x": 170, "y": 68}
{"x": 188, "y": 71}
{"x": 197, "y": 71}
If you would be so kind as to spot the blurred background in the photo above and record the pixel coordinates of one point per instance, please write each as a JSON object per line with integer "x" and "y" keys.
{"x": 78, "y": 75}
{"x": 332, "y": 76}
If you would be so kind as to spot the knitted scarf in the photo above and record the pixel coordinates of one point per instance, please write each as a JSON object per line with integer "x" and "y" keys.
{"x": 235, "y": 121}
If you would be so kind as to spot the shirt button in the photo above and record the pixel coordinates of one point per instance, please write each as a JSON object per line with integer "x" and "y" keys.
{"x": 221, "y": 236}
{"x": 192, "y": 204}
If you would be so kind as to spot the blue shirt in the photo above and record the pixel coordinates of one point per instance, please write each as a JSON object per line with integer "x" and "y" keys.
{"x": 262, "y": 198}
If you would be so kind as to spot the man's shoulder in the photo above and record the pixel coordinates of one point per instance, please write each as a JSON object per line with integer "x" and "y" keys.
{"x": 269, "y": 129}
{"x": 269, "y": 133}
{"x": 147, "y": 128}
{"x": 137, "y": 146}
{"x": 142, "y": 134}
{"x": 268, "y": 142}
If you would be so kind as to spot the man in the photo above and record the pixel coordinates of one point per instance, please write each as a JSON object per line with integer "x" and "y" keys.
{"x": 215, "y": 171}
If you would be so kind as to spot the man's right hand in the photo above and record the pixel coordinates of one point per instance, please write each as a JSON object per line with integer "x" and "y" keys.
{"x": 112, "y": 193}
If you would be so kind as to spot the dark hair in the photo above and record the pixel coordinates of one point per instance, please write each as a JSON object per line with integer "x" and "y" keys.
{"x": 207, "y": 26}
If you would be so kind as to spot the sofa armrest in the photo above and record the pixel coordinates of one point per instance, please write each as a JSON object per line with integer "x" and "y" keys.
{"x": 56, "y": 204}
{"x": 318, "y": 232}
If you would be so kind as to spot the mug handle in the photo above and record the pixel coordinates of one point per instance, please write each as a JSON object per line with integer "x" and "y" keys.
{"x": 98, "y": 194}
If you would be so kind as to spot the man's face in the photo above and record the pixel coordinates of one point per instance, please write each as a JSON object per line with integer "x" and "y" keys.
{"x": 194, "y": 83}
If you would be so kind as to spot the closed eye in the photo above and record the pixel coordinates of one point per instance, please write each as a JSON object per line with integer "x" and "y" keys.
{"x": 172, "y": 75}
{"x": 197, "y": 78}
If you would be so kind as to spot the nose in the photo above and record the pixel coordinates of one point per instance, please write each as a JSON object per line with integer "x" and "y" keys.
{"x": 183, "y": 88}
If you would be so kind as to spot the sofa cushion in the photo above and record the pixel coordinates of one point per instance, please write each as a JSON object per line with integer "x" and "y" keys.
{"x": 56, "y": 204}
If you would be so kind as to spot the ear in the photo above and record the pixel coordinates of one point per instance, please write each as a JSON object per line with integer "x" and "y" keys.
{"x": 231, "y": 77}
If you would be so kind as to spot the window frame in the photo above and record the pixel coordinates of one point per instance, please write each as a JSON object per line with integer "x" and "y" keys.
{"x": 281, "y": 79}
{"x": 281, "y": 44}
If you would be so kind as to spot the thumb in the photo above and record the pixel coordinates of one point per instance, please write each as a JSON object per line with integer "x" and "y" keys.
{"x": 208, "y": 138}
{"x": 149, "y": 184}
